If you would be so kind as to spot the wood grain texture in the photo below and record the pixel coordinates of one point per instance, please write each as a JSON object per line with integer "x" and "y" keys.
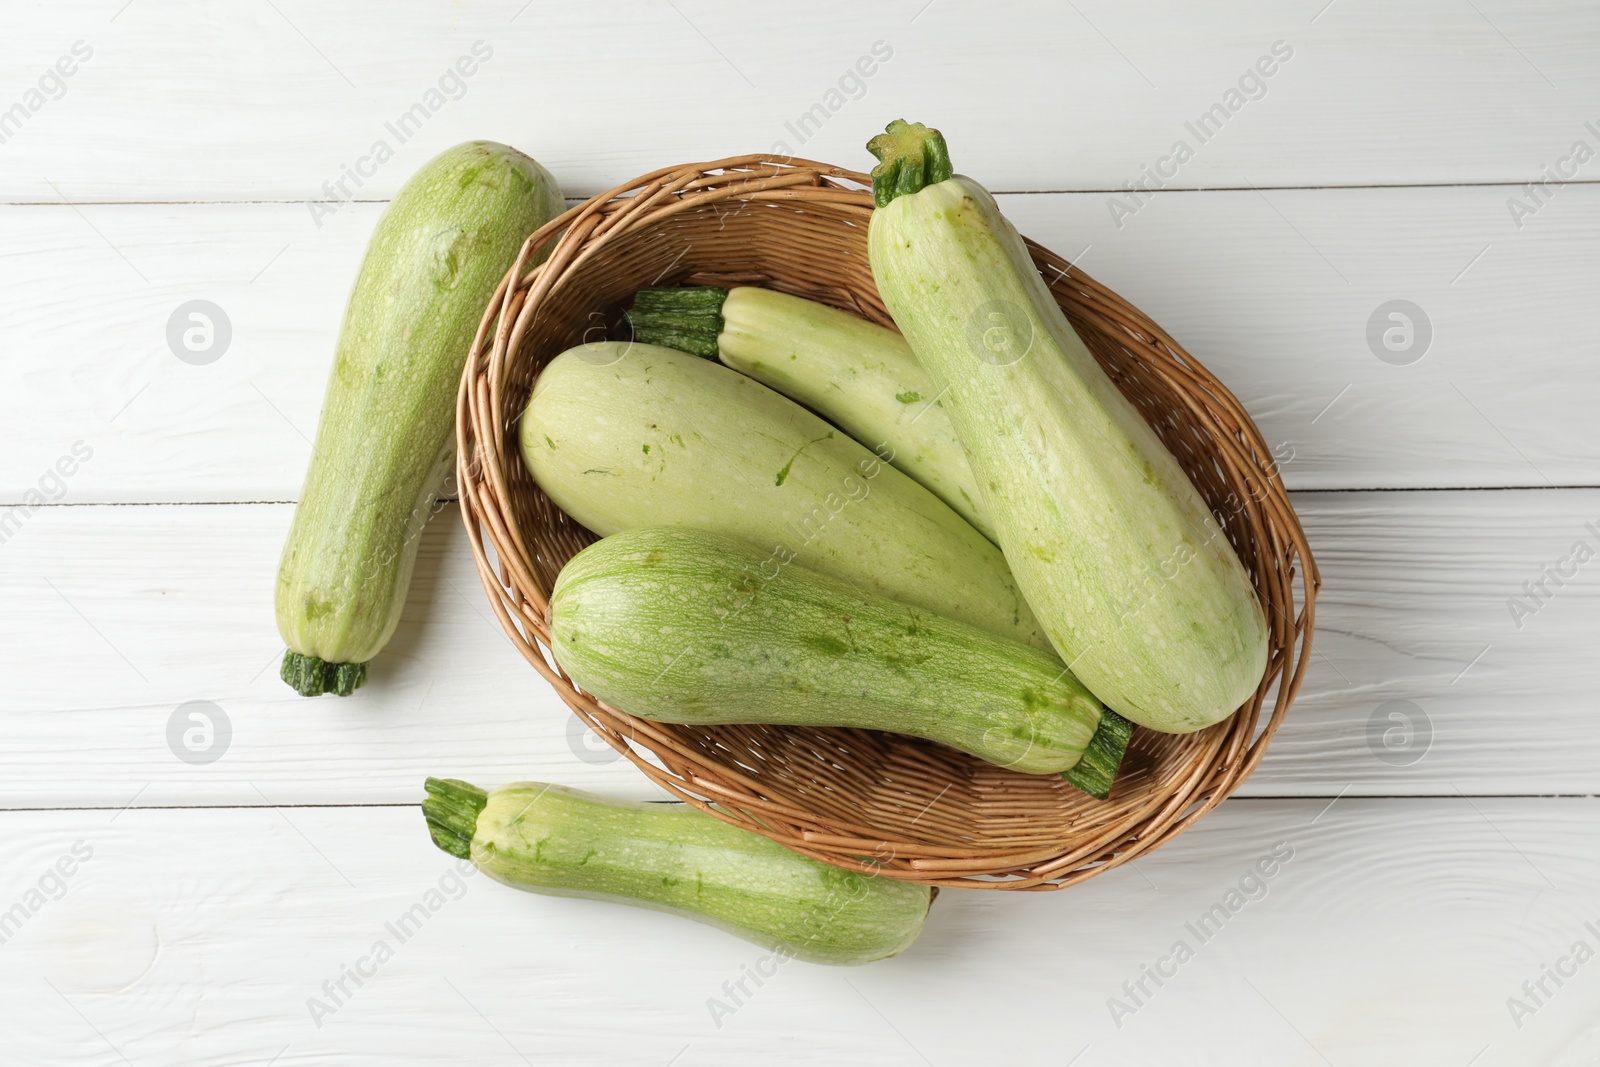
{"x": 1387, "y": 933}
{"x": 179, "y": 609}
{"x": 1416, "y": 619}
{"x": 1273, "y": 291}
{"x": 122, "y": 614}
{"x": 215, "y": 100}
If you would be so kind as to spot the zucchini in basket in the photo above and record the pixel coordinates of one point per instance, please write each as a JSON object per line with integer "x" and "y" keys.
{"x": 1129, "y": 572}
{"x": 684, "y": 626}
{"x": 858, "y": 375}
{"x": 621, "y": 434}
{"x": 387, "y": 434}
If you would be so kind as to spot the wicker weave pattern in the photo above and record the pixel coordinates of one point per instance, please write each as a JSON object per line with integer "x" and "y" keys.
{"x": 855, "y": 798}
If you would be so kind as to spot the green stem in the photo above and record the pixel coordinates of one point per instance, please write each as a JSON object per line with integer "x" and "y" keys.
{"x": 911, "y": 157}
{"x": 452, "y": 809}
{"x": 1095, "y": 771}
{"x": 312, "y": 677}
{"x": 688, "y": 318}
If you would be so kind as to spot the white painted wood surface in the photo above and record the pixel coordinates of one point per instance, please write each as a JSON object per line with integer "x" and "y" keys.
{"x": 1414, "y": 609}
{"x": 1271, "y": 290}
{"x": 1384, "y": 162}
{"x": 224, "y": 101}
{"x": 1391, "y": 934}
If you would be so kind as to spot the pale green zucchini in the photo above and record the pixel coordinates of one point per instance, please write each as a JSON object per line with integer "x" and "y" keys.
{"x": 621, "y": 434}
{"x": 1130, "y": 574}
{"x": 680, "y": 625}
{"x": 673, "y": 858}
{"x": 858, "y": 375}
{"x": 387, "y": 434}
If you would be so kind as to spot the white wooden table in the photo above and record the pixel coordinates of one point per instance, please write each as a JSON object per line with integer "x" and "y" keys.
{"x": 1432, "y": 790}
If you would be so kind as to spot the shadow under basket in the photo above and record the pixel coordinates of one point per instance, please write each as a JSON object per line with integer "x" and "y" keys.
{"x": 861, "y": 799}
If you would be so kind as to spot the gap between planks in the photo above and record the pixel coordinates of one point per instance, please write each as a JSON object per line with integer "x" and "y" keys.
{"x": 418, "y": 804}
{"x": 457, "y": 500}
{"x": 1506, "y": 183}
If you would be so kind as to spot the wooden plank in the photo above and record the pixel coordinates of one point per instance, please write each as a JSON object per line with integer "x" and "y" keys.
{"x": 1429, "y": 917}
{"x": 1272, "y": 291}
{"x": 121, "y": 616}
{"x": 1436, "y": 669}
{"x": 87, "y": 344}
{"x": 170, "y": 606}
{"x": 271, "y": 101}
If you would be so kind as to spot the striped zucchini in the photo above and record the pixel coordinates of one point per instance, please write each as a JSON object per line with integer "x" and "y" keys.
{"x": 1131, "y": 575}
{"x": 856, "y": 374}
{"x": 681, "y": 625}
{"x": 621, "y": 434}
{"x": 673, "y": 858}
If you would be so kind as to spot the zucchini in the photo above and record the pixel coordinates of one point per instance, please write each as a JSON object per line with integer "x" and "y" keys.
{"x": 621, "y": 434}
{"x": 387, "y": 434}
{"x": 674, "y": 858}
{"x": 858, "y": 375}
{"x": 685, "y": 626}
{"x": 1131, "y": 575}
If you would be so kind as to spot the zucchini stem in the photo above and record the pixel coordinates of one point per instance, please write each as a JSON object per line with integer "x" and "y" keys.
{"x": 688, "y": 318}
{"x": 312, "y": 677}
{"x": 911, "y": 156}
{"x": 1096, "y": 770}
{"x": 452, "y": 808}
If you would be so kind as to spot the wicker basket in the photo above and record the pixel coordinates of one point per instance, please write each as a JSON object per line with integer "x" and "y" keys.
{"x": 861, "y": 799}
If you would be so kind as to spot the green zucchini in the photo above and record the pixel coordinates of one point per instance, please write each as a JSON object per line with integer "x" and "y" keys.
{"x": 858, "y": 375}
{"x": 674, "y": 858}
{"x": 685, "y": 626}
{"x": 621, "y": 434}
{"x": 1130, "y": 573}
{"x": 387, "y": 434}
